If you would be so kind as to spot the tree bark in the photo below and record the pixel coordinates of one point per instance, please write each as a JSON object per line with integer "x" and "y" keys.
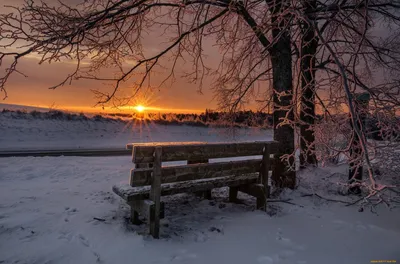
{"x": 356, "y": 151}
{"x": 309, "y": 47}
{"x": 281, "y": 59}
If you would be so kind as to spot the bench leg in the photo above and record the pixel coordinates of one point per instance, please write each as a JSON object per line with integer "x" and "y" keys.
{"x": 233, "y": 192}
{"x": 135, "y": 217}
{"x": 262, "y": 203}
{"x": 262, "y": 199}
{"x": 154, "y": 222}
{"x": 204, "y": 194}
{"x": 155, "y": 194}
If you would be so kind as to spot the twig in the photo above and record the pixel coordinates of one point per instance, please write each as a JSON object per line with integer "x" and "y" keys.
{"x": 393, "y": 190}
{"x": 327, "y": 199}
{"x": 283, "y": 201}
{"x": 356, "y": 201}
{"x": 99, "y": 219}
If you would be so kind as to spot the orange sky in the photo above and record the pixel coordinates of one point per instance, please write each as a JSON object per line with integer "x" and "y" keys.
{"x": 33, "y": 90}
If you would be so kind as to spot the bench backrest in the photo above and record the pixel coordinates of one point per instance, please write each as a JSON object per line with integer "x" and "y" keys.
{"x": 197, "y": 154}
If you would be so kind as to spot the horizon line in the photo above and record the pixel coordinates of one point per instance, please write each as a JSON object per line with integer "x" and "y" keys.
{"x": 106, "y": 109}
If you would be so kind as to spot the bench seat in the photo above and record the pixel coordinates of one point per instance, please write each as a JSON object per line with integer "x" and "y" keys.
{"x": 129, "y": 193}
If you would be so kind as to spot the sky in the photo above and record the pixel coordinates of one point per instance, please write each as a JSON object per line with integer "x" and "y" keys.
{"x": 34, "y": 90}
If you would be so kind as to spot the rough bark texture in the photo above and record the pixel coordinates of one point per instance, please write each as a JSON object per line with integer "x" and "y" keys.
{"x": 307, "y": 113}
{"x": 356, "y": 151}
{"x": 281, "y": 60}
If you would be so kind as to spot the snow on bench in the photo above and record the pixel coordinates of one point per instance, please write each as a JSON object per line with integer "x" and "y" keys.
{"x": 150, "y": 180}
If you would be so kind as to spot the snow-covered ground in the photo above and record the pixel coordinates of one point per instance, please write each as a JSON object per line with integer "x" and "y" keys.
{"x": 48, "y": 206}
{"x": 62, "y": 209}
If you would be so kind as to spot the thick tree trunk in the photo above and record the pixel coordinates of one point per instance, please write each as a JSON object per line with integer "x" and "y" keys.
{"x": 281, "y": 60}
{"x": 309, "y": 47}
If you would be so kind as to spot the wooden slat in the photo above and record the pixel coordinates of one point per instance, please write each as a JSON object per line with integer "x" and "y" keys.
{"x": 141, "y": 177}
{"x": 161, "y": 144}
{"x": 175, "y": 152}
{"x": 130, "y": 193}
{"x": 205, "y": 194}
{"x": 147, "y": 166}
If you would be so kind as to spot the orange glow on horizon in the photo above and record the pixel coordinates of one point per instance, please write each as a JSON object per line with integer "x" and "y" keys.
{"x": 140, "y": 108}
{"x": 98, "y": 109}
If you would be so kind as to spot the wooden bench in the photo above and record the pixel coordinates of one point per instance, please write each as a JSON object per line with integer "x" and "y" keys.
{"x": 149, "y": 180}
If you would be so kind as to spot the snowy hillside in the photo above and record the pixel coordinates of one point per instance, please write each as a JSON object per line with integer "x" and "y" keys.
{"x": 15, "y": 107}
{"x": 26, "y": 132}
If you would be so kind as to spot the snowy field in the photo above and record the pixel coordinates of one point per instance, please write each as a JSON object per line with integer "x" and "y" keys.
{"x": 62, "y": 209}
{"x": 27, "y": 132}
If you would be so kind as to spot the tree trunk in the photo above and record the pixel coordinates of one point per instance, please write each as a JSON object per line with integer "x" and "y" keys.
{"x": 356, "y": 151}
{"x": 281, "y": 60}
{"x": 309, "y": 47}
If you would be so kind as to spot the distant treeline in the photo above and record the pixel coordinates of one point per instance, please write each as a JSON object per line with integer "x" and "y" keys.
{"x": 209, "y": 117}
{"x": 55, "y": 115}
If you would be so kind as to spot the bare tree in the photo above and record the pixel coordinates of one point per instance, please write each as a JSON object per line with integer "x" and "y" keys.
{"x": 352, "y": 48}
{"x": 107, "y": 33}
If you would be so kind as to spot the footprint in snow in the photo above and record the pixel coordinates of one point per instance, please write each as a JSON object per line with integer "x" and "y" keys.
{"x": 339, "y": 222}
{"x": 65, "y": 236}
{"x": 287, "y": 241}
{"x": 183, "y": 255}
{"x": 281, "y": 239}
{"x": 86, "y": 243}
{"x": 265, "y": 260}
{"x": 83, "y": 240}
{"x": 71, "y": 211}
{"x": 279, "y": 234}
{"x": 285, "y": 254}
{"x": 284, "y": 240}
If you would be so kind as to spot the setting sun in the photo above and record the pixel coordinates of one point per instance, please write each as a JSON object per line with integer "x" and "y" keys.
{"x": 140, "y": 108}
